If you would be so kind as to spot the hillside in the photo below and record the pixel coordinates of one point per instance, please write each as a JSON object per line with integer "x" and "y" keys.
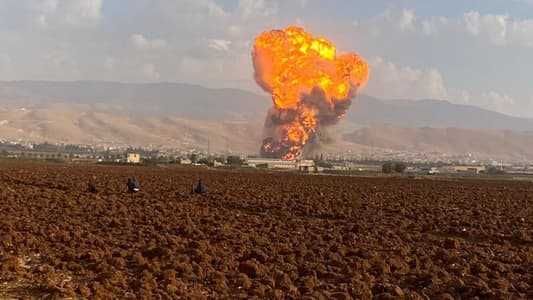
{"x": 196, "y": 102}
{"x": 84, "y": 124}
{"x": 171, "y": 99}
{"x": 496, "y": 144}
{"x": 187, "y": 116}
{"x": 432, "y": 113}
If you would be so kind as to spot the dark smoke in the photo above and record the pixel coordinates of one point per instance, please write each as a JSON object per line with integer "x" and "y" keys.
{"x": 329, "y": 113}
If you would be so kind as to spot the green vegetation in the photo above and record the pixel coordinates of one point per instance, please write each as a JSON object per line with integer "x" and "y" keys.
{"x": 234, "y": 161}
{"x": 492, "y": 170}
{"x": 391, "y": 167}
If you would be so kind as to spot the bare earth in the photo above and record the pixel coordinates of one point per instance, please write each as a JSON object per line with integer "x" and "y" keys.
{"x": 260, "y": 235}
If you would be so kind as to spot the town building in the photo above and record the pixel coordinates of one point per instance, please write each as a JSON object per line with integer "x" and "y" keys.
{"x": 133, "y": 158}
{"x": 467, "y": 169}
{"x": 185, "y": 161}
{"x": 269, "y": 163}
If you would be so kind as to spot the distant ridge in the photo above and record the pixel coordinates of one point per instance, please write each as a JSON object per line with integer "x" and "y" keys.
{"x": 495, "y": 144}
{"x": 197, "y": 102}
{"x": 188, "y": 116}
{"x": 432, "y": 113}
{"x": 176, "y": 99}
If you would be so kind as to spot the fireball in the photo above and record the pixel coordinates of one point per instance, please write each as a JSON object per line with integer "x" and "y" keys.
{"x": 311, "y": 86}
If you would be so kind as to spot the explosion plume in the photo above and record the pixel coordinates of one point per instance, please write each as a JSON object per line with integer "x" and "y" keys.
{"x": 311, "y": 86}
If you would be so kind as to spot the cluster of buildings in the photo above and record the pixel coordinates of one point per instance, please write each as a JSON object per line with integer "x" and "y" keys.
{"x": 412, "y": 157}
{"x": 72, "y": 153}
{"x": 324, "y": 163}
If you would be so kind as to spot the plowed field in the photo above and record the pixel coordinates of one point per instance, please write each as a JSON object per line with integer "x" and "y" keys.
{"x": 260, "y": 235}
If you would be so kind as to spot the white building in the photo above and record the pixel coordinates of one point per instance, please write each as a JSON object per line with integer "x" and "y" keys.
{"x": 269, "y": 163}
{"x": 185, "y": 161}
{"x": 134, "y": 158}
{"x": 469, "y": 169}
{"x": 306, "y": 165}
{"x": 217, "y": 164}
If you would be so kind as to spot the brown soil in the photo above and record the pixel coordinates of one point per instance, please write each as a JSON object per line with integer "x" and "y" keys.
{"x": 260, "y": 235}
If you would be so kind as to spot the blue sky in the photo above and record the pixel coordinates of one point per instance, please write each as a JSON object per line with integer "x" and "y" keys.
{"x": 476, "y": 52}
{"x": 365, "y": 8}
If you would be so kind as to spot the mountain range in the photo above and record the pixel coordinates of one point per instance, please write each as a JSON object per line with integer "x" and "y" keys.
{"x": 184, "y": 115}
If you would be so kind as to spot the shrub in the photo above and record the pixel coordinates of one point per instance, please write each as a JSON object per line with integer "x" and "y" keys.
{"x": 387, "y": 167}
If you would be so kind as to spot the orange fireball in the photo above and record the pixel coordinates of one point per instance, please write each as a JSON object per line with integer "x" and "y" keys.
{"x": 291, "y": 63}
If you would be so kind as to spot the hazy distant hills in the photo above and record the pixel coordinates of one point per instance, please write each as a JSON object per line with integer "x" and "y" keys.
{"x": 83, "y": 124}
{"x": 182, "y": 115}
{"x": 174, "y": 99}
{"x": 502, "y": 144}
{"x": 196, "y": 102}
{"x": 432, "y": 113}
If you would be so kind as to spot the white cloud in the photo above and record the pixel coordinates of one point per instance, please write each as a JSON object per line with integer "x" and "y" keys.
{"x": 5, "y": 60}
{"x": 497, "y": 101}
{"x": 522, "y": 32}
{"x": 500, "y": 30}
{"x": 431, "y": 26}
{"x": 475, "y": 58}
{"x": 213, "y": 9}
{"x": 472, "y": 22}
{"x": 493, "y": 27}
{"x": 393, "y": 82}
{"x": 257, "y": 8}
{"x": 150, "y": 72}
{"x": 404, "y": 19}
{"x": 234, "y": 31}
{"x": 70, "y": 12}
{"x": 59, "y": 63}
{"x": 219, "y": 44}
{"x": 407, "y": 19}
{"x": 142, "y": 43}
{"x": 303, "y": 3}
{"x": 85, "y": 9}
{"x": 492, "y": 100}
{"x": 109, "y": 63}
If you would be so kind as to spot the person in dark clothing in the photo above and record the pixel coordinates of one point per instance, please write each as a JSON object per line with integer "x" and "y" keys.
{"x": 133, "y": 185}
{"x": 91, "y": 188}
{"x": 91, "y": 185}
{"x": 200, "y": 188}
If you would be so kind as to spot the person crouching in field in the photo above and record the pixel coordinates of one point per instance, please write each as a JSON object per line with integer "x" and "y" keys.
{"x": 91, "y": 185}
{"x": 200, "y": 188}
{"x": 133, "y": 185}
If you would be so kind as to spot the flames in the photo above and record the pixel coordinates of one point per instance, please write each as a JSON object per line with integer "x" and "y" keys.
{"x": 311, "y": 86}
